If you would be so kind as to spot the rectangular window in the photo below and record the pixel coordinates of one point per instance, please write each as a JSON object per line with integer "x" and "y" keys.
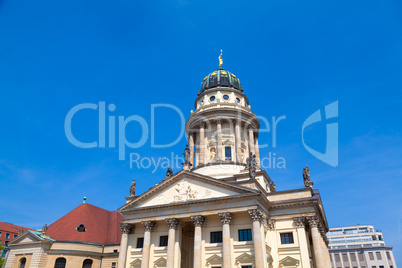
{"x": 371, "y": 256}
{"x": 245, "y": 235}
{"x": 378, "y": 255}
{"x": 287, "y": 238}
{"x": 7, "y": 236}
{"x": 216, "y": 237}
{"x": 381, "y": 266}
{"x": 337, "y": 258}
{"x": 388, "y": 255}
{"x": 163, "y": 241}
{"x": 140, "y": 242}
{"x": 361, "y": 256}
{"x": 6, "y": 243}
{"x": 345, "y": 257}
{"x": 228, "y": 153}
{"x": 14, "y": 236}
{"x": 352, "y": 256}
{"x": 249, "y": 266}
{"x": 113, "y": 265}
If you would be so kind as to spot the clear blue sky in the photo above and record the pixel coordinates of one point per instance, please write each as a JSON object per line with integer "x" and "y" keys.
{"x": 293, "y": 58}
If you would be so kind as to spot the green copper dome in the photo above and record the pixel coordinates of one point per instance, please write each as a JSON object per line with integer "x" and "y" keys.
{"x": 220, "y": 78}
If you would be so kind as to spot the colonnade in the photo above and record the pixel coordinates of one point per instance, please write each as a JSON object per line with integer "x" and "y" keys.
{"x": 256, "y": 215}
{"x": 199, "y": 143}
{"x": 320, "y": 249}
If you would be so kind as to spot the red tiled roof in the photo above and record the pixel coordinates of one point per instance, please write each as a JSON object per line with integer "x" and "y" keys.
{"x": 12, "y": 228}
{"x": 101, "y": 226}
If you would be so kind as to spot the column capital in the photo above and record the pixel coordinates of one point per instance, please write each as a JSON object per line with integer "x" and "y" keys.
{"x": 126, "y": 228}
{"x": 299, "y": 221}
{"x": 148, "y": 225}
{"x": 172, "y": 223}
{"x": 201, "y": 124}
{"x": 256, "y": 214}
{"x": 236, "y": 121}
{"x": 271, "y": 223}
{"x": 313, "y": 221}
{"x": 250, "y": 127}
{"x": 198, "y": 220}
{"x": 218, "y": 120}
{"x": 226, "y": 217}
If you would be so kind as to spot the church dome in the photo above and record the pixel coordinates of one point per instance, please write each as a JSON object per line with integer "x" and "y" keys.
{"x": 220, "y": 78}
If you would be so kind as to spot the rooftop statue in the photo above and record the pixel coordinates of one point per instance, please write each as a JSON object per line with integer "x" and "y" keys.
{"x": 220, "y": 60}
{"x": 306, "y": 178}
{"x": 186, "y": 164}
{"x": 251, "y": 165}
{"x": 132, "y": 188}
{"x": 169, "y": 172}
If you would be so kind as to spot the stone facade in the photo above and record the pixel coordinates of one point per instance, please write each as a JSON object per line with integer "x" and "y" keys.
{"x": 215, "y": 214}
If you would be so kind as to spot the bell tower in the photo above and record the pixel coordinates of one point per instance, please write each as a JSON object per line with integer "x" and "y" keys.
{"x": 222, "y": 131}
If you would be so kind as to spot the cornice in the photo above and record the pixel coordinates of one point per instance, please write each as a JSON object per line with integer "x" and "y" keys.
{"x": 293, "y": 203}
{"x": 80, "y": 253}
{"x": 245, "y": 115}
{"x": 293, "y": 191}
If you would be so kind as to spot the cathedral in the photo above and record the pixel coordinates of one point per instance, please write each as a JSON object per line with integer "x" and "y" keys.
{"x": 222, "y": 210}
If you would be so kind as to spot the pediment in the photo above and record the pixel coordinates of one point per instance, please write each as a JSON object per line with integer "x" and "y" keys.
{"x": 289, "y": 262}
{"x": 184, "y": 187}
{"x": 161, "y": 262}
{"x": 135, "y": 263}
{"x": 245, "y": 257}
{"x": 215, "y": 259}
{"x": 26, "y": 238}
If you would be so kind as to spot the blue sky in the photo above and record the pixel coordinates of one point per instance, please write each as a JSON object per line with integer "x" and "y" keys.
{"x": 292, "y": 57}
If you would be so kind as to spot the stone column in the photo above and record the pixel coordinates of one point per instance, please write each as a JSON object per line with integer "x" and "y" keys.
{"x": 300, "y": 223}
{"x": 191, "y": 145}
{"x": 272, "y": 241}
{"x": 237, "y": 140}
{"x": 257, "y": 152}
{"x": 257, "y": 217}
{"x": 226, "y": 217}
{"x": 315, "y": 233}
{"x": 251, "y": 139}
{"x": 324, "y": 245}
{"x": 148, "y": 226}
{"x": 202, "y": 144}
{"x": 198, "y": 220}
{"x": 172, "y": 223}
{"x": 125, "y": 229}
{"x": 197, "y": 150}
{"x": 219, "y": 148}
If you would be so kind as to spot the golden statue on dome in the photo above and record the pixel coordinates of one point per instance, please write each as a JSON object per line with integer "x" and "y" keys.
{"x": 220, "y": 60}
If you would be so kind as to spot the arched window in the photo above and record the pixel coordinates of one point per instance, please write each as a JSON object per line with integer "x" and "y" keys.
{"x": 60, "y": 263}
{"x": 23, "y": 261}
{"x": 87, "y": 263}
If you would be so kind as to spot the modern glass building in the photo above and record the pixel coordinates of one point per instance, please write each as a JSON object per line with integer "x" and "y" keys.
{"x": 359, "y": 246}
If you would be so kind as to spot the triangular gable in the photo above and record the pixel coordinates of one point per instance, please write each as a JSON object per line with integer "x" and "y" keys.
{"x": 161, "y": 262}
{"x": 185, "y": 186}
{"x": 289, "y": 262}
{"x": 245, "y": 257}
{"x": 215, "y": 259}
{"x": 136, "y": 263}
{"x": 29, "y": 237}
